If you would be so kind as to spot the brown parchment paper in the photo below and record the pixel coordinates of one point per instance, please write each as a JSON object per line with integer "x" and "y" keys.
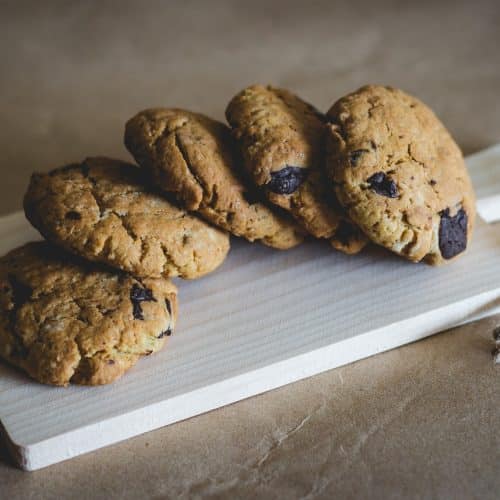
{"x": 421, "y": 421}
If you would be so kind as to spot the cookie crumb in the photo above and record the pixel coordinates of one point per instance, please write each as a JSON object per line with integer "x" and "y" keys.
{"x": 496, "y": 350}
{"x": 496, "y": 334}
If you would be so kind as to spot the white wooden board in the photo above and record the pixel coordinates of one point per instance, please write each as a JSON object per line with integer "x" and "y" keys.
{"x": 264, "y": 319}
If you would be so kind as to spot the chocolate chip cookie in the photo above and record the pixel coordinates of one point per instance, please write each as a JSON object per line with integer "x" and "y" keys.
{"x": 101, "y": 209}
{"x": 400, "y": 175}
{"x": 194, "y": 157}
{"x": 64, "y": 320}
{"x": 282, "y": 141}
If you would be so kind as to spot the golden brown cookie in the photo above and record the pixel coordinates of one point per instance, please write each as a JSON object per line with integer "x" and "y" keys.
{"x": 282, "y": 141}
{"x": 101, "y": 209}
{"x": 400, "y": 175}
{"x": 194, "y": 157}
{"x": 64, "y": 320}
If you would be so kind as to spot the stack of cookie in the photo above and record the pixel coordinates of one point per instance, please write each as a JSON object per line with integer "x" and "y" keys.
{"x": 87, "y": 303}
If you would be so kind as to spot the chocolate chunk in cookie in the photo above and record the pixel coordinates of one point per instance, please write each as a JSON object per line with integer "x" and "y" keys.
{"x": 281, "y": 138}
{"x": 65, "y": 320}
{"x": 287, "y": 180}
{"x": 452, "y": 233}
{"x": 399, "y": 189}
{"x": 382, "y": 184}
{"x": 138, "y": 295}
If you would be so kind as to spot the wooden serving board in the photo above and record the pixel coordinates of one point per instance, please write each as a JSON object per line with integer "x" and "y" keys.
{"x": 263, "y": 320}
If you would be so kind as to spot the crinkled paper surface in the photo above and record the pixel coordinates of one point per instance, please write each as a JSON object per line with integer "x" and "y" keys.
{"x": 418, "y": 422}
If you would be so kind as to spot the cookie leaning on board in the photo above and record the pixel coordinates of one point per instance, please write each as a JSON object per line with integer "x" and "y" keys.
{"x": 282, "y": 141}
{"x": 400, "y": 175}
{"x": 195, "y": 158}
{"x": 65, "y": 320}
{"x": 389, "y": 161}
{"x": 101, "y": 210}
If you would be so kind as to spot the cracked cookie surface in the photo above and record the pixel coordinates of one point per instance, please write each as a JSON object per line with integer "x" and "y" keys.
{"x": 399, "y": 174}
{"x": 282, "y": 142}
{"x": 100, "y": 209}
{"x": 194, "y": 157}
{"x": 64, "y": 320}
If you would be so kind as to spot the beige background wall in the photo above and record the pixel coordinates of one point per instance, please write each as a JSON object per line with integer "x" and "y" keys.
{"x": 74, "y": 71}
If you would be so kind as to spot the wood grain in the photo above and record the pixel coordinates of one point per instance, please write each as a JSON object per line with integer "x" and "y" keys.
{"x": 263, "y": 320}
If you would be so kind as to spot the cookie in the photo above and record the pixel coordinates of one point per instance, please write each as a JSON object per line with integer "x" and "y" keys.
{"x": 282, "y": 142}
{"x": 101, "y": 210}
{"x": 400, "y": 175}
{"x": 194, "y": 157}
{"x": 64, "y": 320}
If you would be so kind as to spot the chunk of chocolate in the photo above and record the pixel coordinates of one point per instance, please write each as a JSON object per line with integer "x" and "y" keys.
{"x": 73, "y": 215}
{"x": 141, "y": 294}
{"x": 137, "y": 311}
{"x": 452, "y": 233}
{"x": 287, "y": 180}
{"x": 138, "y": 295}
{"x": 383, "y": 185}
{"x": 166, "y": 333}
